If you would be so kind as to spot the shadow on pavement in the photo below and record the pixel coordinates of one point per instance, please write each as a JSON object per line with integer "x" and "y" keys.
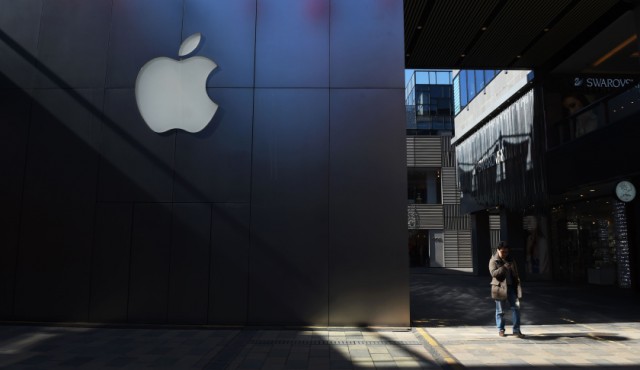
{"x": 459, "y": 299}
{"x": 593, "y": 336}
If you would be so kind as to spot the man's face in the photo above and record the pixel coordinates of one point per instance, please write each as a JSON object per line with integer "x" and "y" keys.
{"x": 503, "y": 252}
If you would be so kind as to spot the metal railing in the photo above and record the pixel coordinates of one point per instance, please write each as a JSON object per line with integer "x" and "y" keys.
{"x": 602, "y": 113}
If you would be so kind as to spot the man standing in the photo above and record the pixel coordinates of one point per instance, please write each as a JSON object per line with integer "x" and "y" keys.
{"x": 505, "y": 286}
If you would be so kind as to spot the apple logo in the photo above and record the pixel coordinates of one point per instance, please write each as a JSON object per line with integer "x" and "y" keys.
{"x": 172, "y": 93}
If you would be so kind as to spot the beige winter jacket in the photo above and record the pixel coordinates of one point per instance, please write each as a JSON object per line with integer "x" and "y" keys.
{"x": 499, "y": 277}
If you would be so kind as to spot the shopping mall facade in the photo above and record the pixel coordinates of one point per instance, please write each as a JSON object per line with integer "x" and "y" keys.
{"x": 278, "y": 198}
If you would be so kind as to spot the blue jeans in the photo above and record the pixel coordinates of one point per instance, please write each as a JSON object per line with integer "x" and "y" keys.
{"x": 515, "y": 310}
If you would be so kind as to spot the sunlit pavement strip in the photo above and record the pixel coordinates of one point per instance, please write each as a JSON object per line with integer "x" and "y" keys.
{"x": 442, "y": 356}
{"x": 612, "y": 344}
{"x": 329, "y": 349}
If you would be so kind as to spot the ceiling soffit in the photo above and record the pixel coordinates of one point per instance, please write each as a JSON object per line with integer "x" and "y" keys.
{"x": 519, "y": 34}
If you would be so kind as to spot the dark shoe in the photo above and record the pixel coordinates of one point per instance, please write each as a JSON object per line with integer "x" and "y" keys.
{"x": 519, "y": 335}
{"x": 501, "y": 333}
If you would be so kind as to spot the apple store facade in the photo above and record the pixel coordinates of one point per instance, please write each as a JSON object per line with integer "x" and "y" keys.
{"x": 203, "y": 162}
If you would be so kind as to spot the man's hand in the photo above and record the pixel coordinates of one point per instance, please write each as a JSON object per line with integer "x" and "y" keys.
{"x": 507, "y": 265}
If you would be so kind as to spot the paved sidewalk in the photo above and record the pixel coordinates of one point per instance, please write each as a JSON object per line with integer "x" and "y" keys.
{"x": 567, "y": 327}
{"x": 46, "y": 347}
{"x": 571, "y": 346}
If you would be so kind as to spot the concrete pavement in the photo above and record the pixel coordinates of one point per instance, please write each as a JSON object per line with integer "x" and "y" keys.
{"x": 571, "y": 326}
{"x": 567, "y": 327}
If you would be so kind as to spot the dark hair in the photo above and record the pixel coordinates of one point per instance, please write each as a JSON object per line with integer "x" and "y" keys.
{"x": 583, "y": 100}
{"x": 503, "y": 244}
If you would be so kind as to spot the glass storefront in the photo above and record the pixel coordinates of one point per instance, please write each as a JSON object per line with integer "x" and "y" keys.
{"x": 585, "y": 241}
{"x": 426, "y": 248}
{"x": 419, "y": 248}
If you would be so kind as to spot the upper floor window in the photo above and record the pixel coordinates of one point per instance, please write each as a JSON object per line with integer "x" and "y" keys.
{"x": 429, "y": 99}
{"x": 424, "y": 185}
{"x": 468, "y": 84}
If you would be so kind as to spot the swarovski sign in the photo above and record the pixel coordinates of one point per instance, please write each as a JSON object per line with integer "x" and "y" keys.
{"x": 601, "y": 82}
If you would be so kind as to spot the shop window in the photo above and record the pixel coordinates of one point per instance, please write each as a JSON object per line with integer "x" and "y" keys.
{"x": 424, "y": 186}
{"x": 586, "y": 242}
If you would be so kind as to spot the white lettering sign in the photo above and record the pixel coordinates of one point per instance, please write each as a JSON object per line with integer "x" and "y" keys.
{"x": 602, "y": 82}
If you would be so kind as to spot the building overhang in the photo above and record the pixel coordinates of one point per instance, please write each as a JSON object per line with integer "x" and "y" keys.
{"x": 501, "y": 34}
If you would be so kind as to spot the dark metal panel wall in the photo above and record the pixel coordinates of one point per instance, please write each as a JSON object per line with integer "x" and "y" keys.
{"x": 229, "y": 271}
{"x": 368, "y": 275}
{"x": 228, "y": 29}
{"x": 288, "y": 261}
{"x": 73, "y": 43}
{"x": 14, "y": 126}
{"x": 137, "y": 163}
{"x": 280, "y": 211}
{"x": 150, "y": 261}
{"x": 19, "y": 29}
{"x": 292, "y": 44}
{"x": 140, "y": 31}
{"x": 52, "y": 276}
{"x": 366, "y": 44}
{"x": 189, "y": 268}
{"x": 221, "y": 151}
{"x": 110, "y": 263}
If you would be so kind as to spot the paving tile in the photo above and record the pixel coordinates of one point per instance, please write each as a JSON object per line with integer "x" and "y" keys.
{"x": 408, "y": 364}
{"x": 385, "y": 365}
{"x": 300, "y": 349}
{"x": 357, "y": 347}
{"x": 273, "y": 361}
{"x": 378, "y": 349}
{"x": 298, "y": 357}
{"x": 319, "y": 352}
{"x": 252, "y": 363}
{"x": 381, "y": 357}
{"x": 279, "y": 352}
{"x": 363, "y": 364}
{"x": 545, "y": 347}
{"x": 340, "y": 364}
{"x": 319, "y": 361}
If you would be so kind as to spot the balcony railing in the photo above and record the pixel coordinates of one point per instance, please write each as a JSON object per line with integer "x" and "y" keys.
{"x": 602, "y": 113}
